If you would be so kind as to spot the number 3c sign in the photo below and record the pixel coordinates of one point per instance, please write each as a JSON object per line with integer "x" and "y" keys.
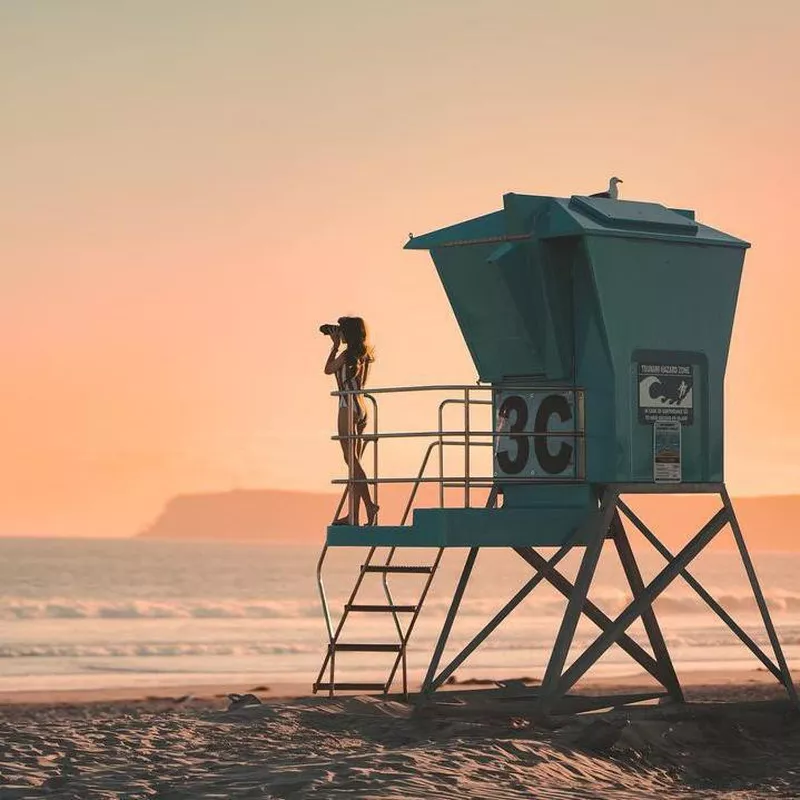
{"x": 523, "y": 418}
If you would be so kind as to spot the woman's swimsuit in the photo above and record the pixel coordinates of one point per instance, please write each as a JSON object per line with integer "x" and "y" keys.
{"x": 349, "y": 378}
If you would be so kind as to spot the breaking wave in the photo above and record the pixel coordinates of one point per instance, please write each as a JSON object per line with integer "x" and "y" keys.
{"x": 12, "y": 609}
{"x": 704, "y": 640}
{"x": 611, "y": 600}
{"x": 150, "y": 649}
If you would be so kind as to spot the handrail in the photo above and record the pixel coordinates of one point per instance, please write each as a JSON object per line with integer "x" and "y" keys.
{"x": 459, "y": 479}
{"x": 418, "y": 480}
{"x": 494, "y": 434}
{"x": 322, "y": 596}
{"x": 473, "y": 387}
{"x": 466, "y": 402}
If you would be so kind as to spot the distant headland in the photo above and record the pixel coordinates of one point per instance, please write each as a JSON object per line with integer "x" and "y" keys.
{"x": 283, "y": 516}
{"x": 269, "y": 515}
{"x": 248, "y": 514}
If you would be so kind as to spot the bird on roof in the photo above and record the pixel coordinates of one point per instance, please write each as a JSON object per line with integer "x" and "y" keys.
{"x": 612, "y": 193}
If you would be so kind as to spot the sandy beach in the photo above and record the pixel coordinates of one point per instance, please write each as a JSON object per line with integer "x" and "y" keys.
{"x": 736, "y": 737}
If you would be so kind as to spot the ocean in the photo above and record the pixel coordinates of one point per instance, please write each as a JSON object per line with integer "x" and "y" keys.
{"x": 108, "y": 613}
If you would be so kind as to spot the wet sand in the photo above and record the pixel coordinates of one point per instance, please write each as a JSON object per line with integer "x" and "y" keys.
{"x": 736, "y": 737}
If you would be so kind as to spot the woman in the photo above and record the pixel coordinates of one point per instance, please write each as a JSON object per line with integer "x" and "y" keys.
{"x": 351, "y": 368}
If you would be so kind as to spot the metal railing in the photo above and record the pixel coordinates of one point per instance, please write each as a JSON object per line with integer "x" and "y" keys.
{"x": 465, "y": 437}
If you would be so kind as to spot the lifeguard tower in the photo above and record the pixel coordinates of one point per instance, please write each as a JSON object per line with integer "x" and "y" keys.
{"x": 600, "y": 332}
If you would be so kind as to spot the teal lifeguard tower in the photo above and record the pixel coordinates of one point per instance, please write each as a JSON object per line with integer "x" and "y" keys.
{"x": 600, "y": 331}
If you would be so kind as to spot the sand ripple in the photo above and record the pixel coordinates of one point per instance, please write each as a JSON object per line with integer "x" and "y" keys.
{"x": 362, "y": 748}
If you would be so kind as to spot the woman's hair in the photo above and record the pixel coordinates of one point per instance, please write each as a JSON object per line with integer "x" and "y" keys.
{"x": 354, "y": 333}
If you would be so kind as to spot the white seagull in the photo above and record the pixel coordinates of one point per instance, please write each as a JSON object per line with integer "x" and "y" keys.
{"x": 613, "y": 192}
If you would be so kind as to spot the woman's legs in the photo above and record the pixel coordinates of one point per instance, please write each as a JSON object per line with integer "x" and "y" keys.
{"x": 362, "y": 440}
{"x": 356, "y": 447}
{"x": 360, "y": 446}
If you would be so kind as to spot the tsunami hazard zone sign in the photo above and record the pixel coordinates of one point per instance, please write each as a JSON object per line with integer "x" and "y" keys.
{"x": 666, "y": 393}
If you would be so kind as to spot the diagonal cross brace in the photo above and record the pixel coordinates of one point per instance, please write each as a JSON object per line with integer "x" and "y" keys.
{"x": 701, "y": 591}
{"x": 427, "y": 684}
{"x": 634, "y": 609}
{"x": 602, "y": 620}
{"x": 578, "y": 595}
{"x": 651, "y": 626}
{"x": 495, "y": 621}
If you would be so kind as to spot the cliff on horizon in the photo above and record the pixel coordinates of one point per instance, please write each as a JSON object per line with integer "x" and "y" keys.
{"x": 271, "y": 515}
{"x": 264, "y": 514}
{"x": 275, "y": 515}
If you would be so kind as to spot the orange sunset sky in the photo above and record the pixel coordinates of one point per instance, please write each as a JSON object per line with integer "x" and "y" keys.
{"x": 190, "y": 188}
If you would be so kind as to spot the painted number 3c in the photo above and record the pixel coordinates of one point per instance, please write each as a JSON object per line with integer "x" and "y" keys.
{"x": 516, "y": 410}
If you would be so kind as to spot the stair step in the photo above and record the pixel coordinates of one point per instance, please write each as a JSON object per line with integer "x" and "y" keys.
{"x": 367, "y": 648}
{"x": 379, "y": 609}
{"x": 411, "y": 570}
{"x": 358, "y": 687}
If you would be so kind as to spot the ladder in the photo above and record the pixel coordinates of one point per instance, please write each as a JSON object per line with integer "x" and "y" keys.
{"x": 399, "y": 612}
{"x": 373, "y": 565}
